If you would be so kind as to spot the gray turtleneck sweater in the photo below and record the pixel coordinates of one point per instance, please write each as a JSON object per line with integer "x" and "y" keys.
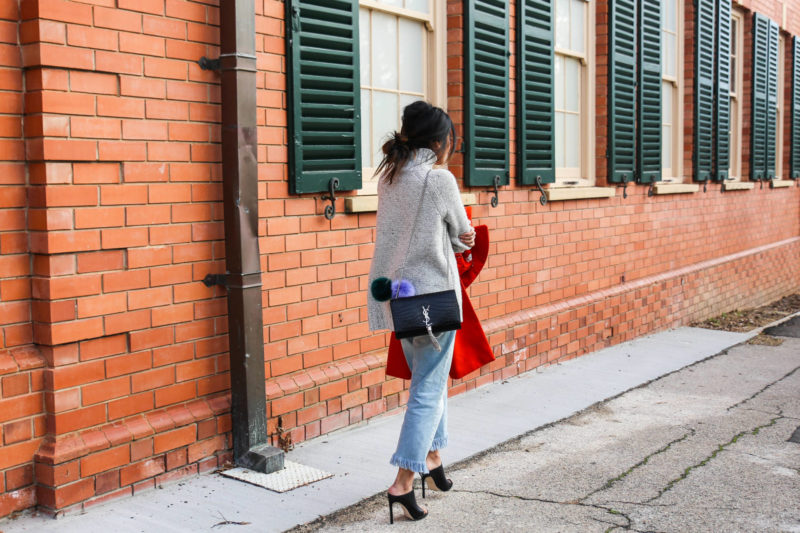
{"x": 431, "y": 250}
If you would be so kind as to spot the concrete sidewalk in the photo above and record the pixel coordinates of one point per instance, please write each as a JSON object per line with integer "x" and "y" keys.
{"x": 358, "y": 457}
{"x": 714, "y": 447}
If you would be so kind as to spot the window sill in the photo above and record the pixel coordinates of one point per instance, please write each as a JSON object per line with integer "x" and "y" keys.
{"x": 558, "y": 194}
{"x": 369, "y": 204}
{"x": 779, "y": 184}
{"x": 675, "y": 188}
{"x": 738, "y": 186}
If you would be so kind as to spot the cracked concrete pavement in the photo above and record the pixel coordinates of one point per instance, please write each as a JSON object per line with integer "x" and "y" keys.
{"x": 702, "y": 449}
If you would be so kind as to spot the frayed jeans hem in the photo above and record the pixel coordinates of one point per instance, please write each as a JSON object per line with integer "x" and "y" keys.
{"x": 438, "y": 444}
{"x": 414, "y": 466}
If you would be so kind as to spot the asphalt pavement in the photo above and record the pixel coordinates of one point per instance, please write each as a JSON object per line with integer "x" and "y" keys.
{"x": 705, "y": 449}
{"x": 684, "y": 430}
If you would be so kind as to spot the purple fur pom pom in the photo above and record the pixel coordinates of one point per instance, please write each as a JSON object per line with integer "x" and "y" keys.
{"x": 403, "y": 289}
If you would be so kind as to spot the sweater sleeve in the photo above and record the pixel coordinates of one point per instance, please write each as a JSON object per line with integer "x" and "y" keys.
{"x": 451, "y": 208}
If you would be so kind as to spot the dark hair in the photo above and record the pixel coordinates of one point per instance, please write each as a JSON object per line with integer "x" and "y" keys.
{"x": 423, "y": 126}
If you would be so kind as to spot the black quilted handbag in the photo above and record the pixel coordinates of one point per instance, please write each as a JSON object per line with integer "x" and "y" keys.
{"x": 425, "y": 314}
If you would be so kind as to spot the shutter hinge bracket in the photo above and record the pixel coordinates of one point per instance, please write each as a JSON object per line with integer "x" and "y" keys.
{"x": 543, "y": 197}
{"x": 705, "y": 185}
{"x": 330, "y": 210}
{"x": 625, "y": 181}
{"x": 651, "y": 189}
{"x": 496, "y": 189}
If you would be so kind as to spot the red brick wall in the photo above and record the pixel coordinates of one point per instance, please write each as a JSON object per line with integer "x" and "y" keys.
{"x": 123, "y": 166}
{"x": 15, "y": 268}
{"x": 125, "y": 219}
{"x": 22, "y": 422}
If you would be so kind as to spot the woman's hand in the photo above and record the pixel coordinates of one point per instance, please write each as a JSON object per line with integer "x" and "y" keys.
{"x": 468, "y": 238}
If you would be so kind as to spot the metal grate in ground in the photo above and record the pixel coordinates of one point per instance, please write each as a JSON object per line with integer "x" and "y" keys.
{"x": 292, "y": 476}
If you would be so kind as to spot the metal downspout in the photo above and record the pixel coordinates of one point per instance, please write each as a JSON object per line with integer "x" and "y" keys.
{"x": 242, "y": 259}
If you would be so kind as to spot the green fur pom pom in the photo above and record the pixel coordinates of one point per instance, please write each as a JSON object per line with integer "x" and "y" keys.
{"x": 382, "y": 289}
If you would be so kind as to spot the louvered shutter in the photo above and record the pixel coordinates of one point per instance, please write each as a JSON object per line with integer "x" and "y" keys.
{"x": 758, "y": 134}
{"x": 324, "y": 95}
{"x": 649, "y": 108}
{"x": 705, "y": 37}
{"x": 772, "y": 101}
{"x": 487, "y": 90}
{"x": 795, "y": 108}
{"x": 723, "y": 103}
{"x": 622, "y": 91}
{"x": 535, "y": 96}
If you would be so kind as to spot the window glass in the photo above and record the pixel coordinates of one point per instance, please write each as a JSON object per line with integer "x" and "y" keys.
{"x": 411, "y": 54}
{"x": 779, "y": 111}
{"x": 417, "y": 5}
{"x": 384, "y": 51}
{"x": 667, "y": 96}
{"x": 670, "y": 93}
{"x": 569, "y": 65}
{"x": 669, "y": 37}
{"x": 734, "y": 54}
{"x": 394, "y": 62}
{"x": 735, "y": 134}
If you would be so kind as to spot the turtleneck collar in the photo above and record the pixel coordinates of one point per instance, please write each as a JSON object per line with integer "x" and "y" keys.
{"x": 424, "y": 156}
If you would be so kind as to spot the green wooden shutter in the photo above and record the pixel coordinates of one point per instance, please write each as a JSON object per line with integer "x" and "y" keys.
{"x": 535, "y": 96}
{"x": 622, "y": 91}
{"x": 723, "y": 103}
{"x": 758, "y": 134}
{"x": 649, "y": 108}
{"x": 795, "y": 108}
{"x": 772, "y": 101}
{"x": 324, "y": 94}
{"x": 705, "y": 37}
{"x": 487, "y": 89}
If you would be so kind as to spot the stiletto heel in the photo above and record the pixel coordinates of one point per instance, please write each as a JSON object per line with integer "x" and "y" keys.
{"x": 410, "y": 507}
{"x": 436, "y": 480}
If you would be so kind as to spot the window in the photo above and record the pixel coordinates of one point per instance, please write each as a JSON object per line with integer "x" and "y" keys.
{"x": 671, "y": 90}
{"x": 779, "y": 110}
{"x": 401, "y": 61}
{"x": 735, "y": 171}
{"x": 574, "y": 72}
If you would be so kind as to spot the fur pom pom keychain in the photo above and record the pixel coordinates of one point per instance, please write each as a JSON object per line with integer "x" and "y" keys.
{"x": 403, "y": 289}
{"x": 384, "y": 289}
{"x": 381, "y": 289}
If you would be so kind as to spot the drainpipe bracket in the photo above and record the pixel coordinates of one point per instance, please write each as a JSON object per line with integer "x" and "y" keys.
{"x": 233, "y": 280}
{"x": 262, "y": 458}
{"x": 209, "y": 64}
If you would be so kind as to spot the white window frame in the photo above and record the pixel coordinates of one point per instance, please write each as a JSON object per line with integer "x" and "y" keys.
{"x": 735, "y": 166}
{"x": 435, "y": 75}
{"x": 586, "y": 174}
{"x": 677, "y": 82}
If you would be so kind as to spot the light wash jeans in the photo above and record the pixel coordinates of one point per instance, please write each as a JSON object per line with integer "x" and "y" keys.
{"x": 425, "y": 424}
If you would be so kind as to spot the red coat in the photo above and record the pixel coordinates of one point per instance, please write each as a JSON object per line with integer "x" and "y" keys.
{"x": 471, "y": 350}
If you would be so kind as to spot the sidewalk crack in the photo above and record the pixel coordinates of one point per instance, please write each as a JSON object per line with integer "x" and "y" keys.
{"x": 627, "y": 527}
{"x": 720, "y": 447}
{"x": 768, "y": 385}
{"x": 609, "y": 483}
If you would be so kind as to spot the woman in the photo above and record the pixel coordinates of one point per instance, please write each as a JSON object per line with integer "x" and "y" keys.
{"x": 412, "y": 231}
